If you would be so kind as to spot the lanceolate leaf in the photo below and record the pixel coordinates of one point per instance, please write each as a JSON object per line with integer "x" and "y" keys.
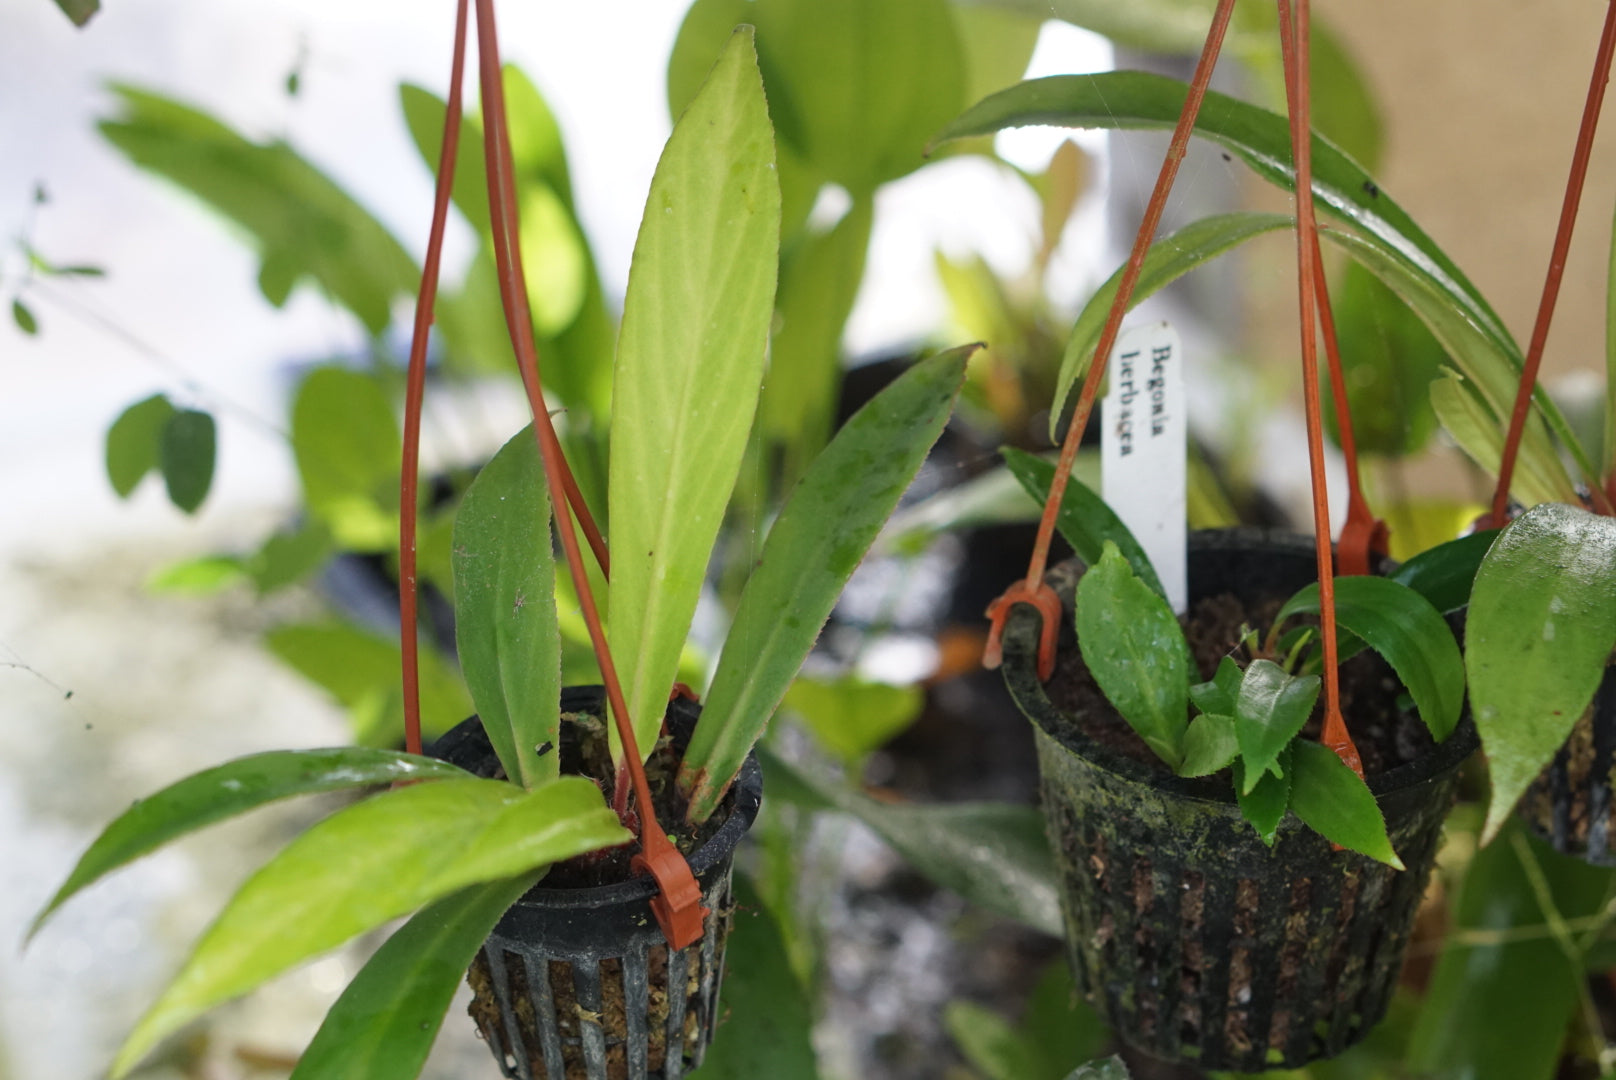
{"x": 1209, "y": 745}
{"x": 186, "y": 455}
{"x": 1132, "y": 644}
{"x": 505, "y": 612}
{"x": 1270, "y": 709}
{"x": 133, "y": 441}
{"x": 234, "y": 788}
{"x": 1443, "y": 574}
{"x": 689, "y": 364}
{"x": 1084, "y": 519}
{"x": 372, "y": 862}
{"x": 383, "y": 1025}
{"x": 823, "y": 532}
{"x": 1333, "y": 802}
{"x": 1479, "y": 430}
{"x": 1541, "y": 625}
{"x": 1402, "y": 626}
{"x": 1264, "y": 807}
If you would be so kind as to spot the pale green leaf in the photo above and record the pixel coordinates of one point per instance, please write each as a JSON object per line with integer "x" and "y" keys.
{"x": 346, "y": 441}
{"x": 1479, "y": 431}
{"x": 852, "y": 717}
{"x": 365, "y": 865}
{"x": 1210, "y": 745}
{"x": 689, "y": 364}
{"x": 1539, "y": 632}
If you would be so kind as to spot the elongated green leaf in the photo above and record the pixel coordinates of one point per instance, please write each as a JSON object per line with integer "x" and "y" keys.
{"x": 1479, "y": 430}
{"x": 1084, "y": 519}
{"x": 1541, "y": 625}
{"x": 1210, "y": 744}
{"x": 1264, "y": 806}
{"x": 235, "y": 788}
{"x": 505, "y": 615}
{"x": 1443, "y": 574}
{"x": 1271, "y": 708}
{"x": 346, "y": 440}
{"x": 383, "y": 1025}
{"x": 819, "y": 539}
{"x": 992, "y": 1046}
{"x": 1403, "y": 627}
{"x": 23, "y": 316}
{"x": 1333, "y": 802}
{"x": 689, "y": 364}
{"x": 1168, "y": 259}
{"x": 992, "y": 854}
{"x": 305, "y": 226}
{"x": 186, "y": 455}
{"x": 423, "y": 115}
{"x": 1132, "y": 645}
{"x": 133, "y": 441}
{"x": 372, "y": 862}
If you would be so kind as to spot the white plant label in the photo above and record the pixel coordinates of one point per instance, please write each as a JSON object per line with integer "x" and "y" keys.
{"x": 1143, "y": 449}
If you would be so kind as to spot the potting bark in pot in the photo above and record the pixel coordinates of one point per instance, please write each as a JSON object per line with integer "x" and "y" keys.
{"x": 1208, "y": 923}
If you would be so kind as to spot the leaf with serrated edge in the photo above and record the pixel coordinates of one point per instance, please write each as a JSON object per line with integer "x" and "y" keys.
{"x": 383, "y": 1025}
{"x": 1219, "y": 694}
{"x": 369, "y": 863}
{"x": 1333, "y": 802}
{"x": 235, "y": 788}
{"x": 817, "y": 542}
{"x": 1271, "y": 708}
{"x": 1264, "y": 807}
{"x": 689, "y": 365}
{"x": 505, "y": 613}
{"x": 1209, "y": 745}
{"x": 1403, "y": 627}
{"x": 1132, "y": 645}
{"x": 1539, "y": 632}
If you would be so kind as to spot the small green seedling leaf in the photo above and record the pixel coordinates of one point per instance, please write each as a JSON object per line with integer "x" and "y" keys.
{"x": 1264, "y": 805}
{"x": 235, "y": 788}
{"x": 186, "y": 455}
{"x": 23, "y": 316}
{"x": 1271, "y": 708}
{"x": 1084, "y": 519}
{"x": 505, "y": 613}
{"x": 1132, "y": 644}
{"x": 822, "y": 533}
{"x": 1112, "y": 1068}
{"x": 1333, "y": 802}
{"x": 1209, "y": 745}
{"x": 383, "y": 1025}
{"x": 1221, "y": 692}
{"x": 1402, "y": 626}
{"x": 690, "y": 360}
{"x": 133, "y": 441}
{"x": 1538, "y": 636}
{"x": 367, "y": 864}
{"x": 1444, "y": 574}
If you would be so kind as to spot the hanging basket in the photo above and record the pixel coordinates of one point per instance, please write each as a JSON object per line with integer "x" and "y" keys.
{"x": 579, "y": 984}
{"x": 1192, "y": 938}
{"x": 1569, "y": 804}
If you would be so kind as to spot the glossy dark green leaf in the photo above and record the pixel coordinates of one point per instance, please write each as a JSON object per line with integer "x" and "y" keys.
{"x": 690, "y": 360}
{"x": 367, "y": 864}
{"x": 766, "y": 1023}
{"x": 346, "y": 440}
{"x": 1084, "y": 519}
{"x": 1405, "y": 629}
{"x": 992, "y": 854}
{"x": 1132, "y": 645}
{"x": 506, "y": 633}
{"x": 1220, "y": 694}
{"x": 850, "y": 716}
{"x": 133, "y": 442}
{"x": 1539, "y": 633}
{"x": 1271, "y": 707}
{"x": 816, "y": 543}
{"x": 1264, "y": 807}
{"x": 384, "y": 1024}
{"x": 1210, "y": 745}
{"x": 1333, "y": 802}
{"x": 1502, "y": 995}
{"x": 1444, "y": 574}
{"x": 305, "y": 226}
{"x": 234, "y": 788}
{"x": 24, "y": 317}
{"x": 186, "y": 455}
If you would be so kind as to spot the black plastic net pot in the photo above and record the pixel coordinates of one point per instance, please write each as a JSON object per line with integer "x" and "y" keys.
{"x": 1569, "y": 804}
{"x": 1192, "y": 938}
{"x": 579, "y": 984}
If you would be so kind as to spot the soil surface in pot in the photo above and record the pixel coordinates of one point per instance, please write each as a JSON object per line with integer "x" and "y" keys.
{"x": 1387, "y": 734}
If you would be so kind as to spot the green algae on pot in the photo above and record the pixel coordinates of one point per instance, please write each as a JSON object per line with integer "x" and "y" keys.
{"x": 1192, "y": 937}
